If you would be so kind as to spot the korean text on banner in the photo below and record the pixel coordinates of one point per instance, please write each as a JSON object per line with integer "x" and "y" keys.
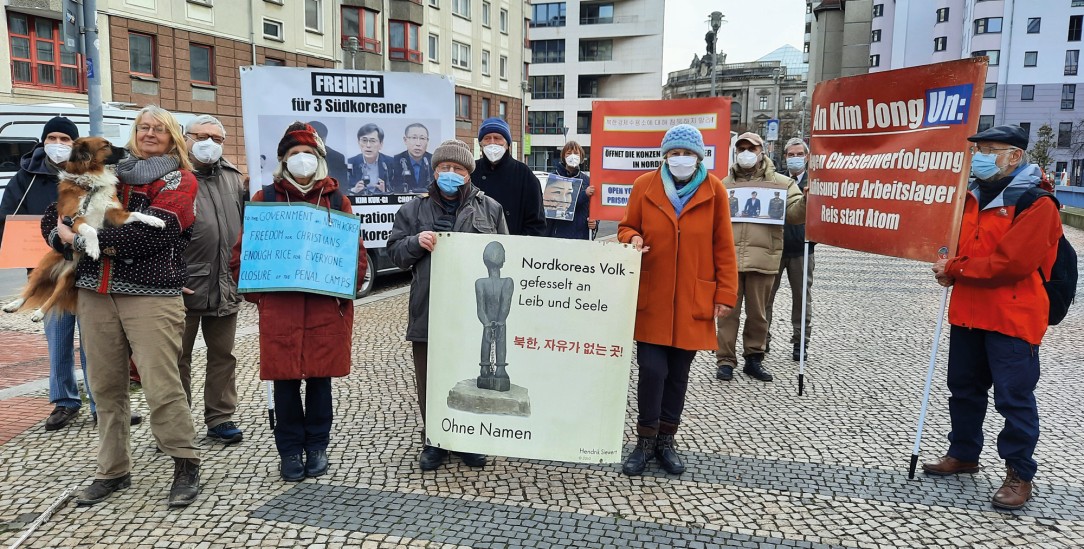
{"x": 888, "y": 164}
{"x": 23, "y": 245}
{"x": 626, "y": 137}
{"x": 554, "y": 320}
{"x": 299, "y": 248}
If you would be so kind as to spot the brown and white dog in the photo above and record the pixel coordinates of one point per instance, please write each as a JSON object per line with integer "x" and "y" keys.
{"x": 86, "y": 194}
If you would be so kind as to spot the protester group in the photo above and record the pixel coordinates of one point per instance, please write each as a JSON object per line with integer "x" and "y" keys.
{"x": 151, "y": 292}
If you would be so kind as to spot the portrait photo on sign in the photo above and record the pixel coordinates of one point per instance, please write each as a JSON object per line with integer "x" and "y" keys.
{"x": 560, "y": 195}
{"x": 271, "y": 130}
{"x": 389, "y": 155}
{"x": 756, "y": 204}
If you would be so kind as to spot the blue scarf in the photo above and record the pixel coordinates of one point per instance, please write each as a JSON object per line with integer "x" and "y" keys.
{"x": 680, "y": 197}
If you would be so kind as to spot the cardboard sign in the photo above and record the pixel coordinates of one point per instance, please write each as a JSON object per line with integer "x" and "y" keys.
{"x": 23, "y": 245}
{"x": 299, "y": 248}
{"x": 889, "y": 159}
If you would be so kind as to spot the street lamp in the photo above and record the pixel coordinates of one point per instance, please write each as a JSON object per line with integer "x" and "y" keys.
{"x": 716, "y": 18}
{"x": 352, "y": 47}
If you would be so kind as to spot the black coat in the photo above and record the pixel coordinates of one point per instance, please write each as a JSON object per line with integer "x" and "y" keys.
{"x": 794, "y": 235}
{"x": 36, "y": 180}
{"x": 514, "y": 186}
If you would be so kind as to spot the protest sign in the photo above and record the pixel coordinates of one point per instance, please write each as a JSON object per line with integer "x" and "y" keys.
{"x": 23, "y": 245}
{"x": 889, "y": 164}
{"x": 560, "y": 196}
{"x": 763, "y": 202}
{"x": 299, "y": 248}
{"x": 379, "y": 129}
{"x": 626, "y": 137}
{"x": 554, "y": 319}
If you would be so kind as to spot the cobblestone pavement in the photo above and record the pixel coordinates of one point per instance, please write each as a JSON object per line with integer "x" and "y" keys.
{"x": 767, "y": 468}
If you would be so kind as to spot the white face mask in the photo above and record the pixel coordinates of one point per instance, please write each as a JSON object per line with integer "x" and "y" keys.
{"x": 572, "y": 160}
{"x": 493, "y": 152}
{"x": 206, "y": 151}
{"x": 302, "y": 164}
{"x": 58, "y": 152}
{"x": 682, "y": 167}
{"x": 747, "y": 159}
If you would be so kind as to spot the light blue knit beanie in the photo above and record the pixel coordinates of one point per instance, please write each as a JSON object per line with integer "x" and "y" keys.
{"x": 683, "y": 136}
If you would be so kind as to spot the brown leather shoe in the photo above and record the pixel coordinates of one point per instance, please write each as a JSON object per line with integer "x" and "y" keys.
{"x": 949, "y": 465}
{"x": 1014, "y": 492}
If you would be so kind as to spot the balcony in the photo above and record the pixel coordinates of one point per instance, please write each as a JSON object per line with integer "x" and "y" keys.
{"x": 621, "y": 26}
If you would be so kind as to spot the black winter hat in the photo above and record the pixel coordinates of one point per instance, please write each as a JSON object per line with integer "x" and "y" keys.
{"x": 62, "y": 125}
{"x": 1009, "y": 134}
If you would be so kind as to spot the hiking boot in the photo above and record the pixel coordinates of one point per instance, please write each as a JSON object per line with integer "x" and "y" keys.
{"x": 315, "y": 463}
{"x": 754, "y": 369}
{"x": 1014, "y": 492}
{"x": 61, "y": 417}
{"x": 725, "y": 373}
{"x": 949, "y": 465}
{"x": 643, "y": 452}
{"x": 797, "y": 353}
{"x": 667, "y": 456}
{"x": 472, "y": 460}
{"x": 101, "y": 489}
{"x": 226, "y": 432}
{"x": 185, "y": 482}
{"x": 292, "y": 468}
{"x": 431, "y": 457}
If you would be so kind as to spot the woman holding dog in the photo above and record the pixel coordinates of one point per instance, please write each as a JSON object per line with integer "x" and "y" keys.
{"x": 303, "y": 336}
{"x": 131, "y": 295}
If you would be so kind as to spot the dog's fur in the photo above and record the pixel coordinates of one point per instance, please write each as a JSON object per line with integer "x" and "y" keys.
{"x": 87, "y": 193}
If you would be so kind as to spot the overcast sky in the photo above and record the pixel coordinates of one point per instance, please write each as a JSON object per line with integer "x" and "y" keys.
{"x": 752, "y": 29}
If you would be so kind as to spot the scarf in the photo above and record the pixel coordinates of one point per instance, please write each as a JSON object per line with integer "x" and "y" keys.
{"x": 680, "y": 197}
{"x": 139, "y": 171}
{"x": 303, "y": 188}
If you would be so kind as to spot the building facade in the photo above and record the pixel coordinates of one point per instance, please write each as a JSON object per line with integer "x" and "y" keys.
{"x": 837, "y": 38}
{"x": 583, "y": 52}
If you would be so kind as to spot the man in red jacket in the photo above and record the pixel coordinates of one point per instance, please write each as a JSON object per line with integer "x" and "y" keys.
{"x": 998, "y": 311}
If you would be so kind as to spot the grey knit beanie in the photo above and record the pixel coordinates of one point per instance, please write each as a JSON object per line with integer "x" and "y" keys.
{"x": 454, "y": 150}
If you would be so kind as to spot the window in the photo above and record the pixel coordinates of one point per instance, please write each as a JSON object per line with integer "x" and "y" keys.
{"x": 461, "y": 8}
{"x": 272, "y": 62}
{"x": 940, "y": 43}
{"x": 942, "y": 15}
{"x": 503, "y": 21}
{"x": 546, "y": 122}
{"x": 141, "y": 54}
{"x": 1026, "y": 126}
{"x": 547, "y": 51}
{"x": 596, "y": 50}
{"x": 1072, "y": 59}
{"x": 485, "y": 62}
{"x": 485, "y": 107}
{"x": 994, "y": 55}
{"x": 596, "y": 14}
{"x": 788, "y": 102}
{"x": 875, "y": 35}
{"x": 1027, "y": 92}
{"x": 503, "y": 112}
{"x": 547, "y": 87}
{"x": 313, "y": 21}
{"x": 460, "y": 55}
{"x": 503, "y": 68}
{"x": 1075, "y": 22}
{"x": 1065, "y": 134}
{"x": 763, "y": 103}
{"x": 362, "y": 24}
{"x": 589, "y": 86}
{"x": 548, "y": 15}
{"x": 1076, "y": 4}
{"x": 878, "y": 10}
{"x": 988, "y": 25}
{"x": 435, "y": 3}
{"x": 462, "y": 106}
{"x": 583, "y": 123}
{"x": 202, "y": 62}
{"x": 279, "y": 2}
{"x": 1031, "y": 58}
{"x": 1068, "y": 97}
{"x": 485, "y": 14}
{"x": 36, "y": 57}
{"x": 1033, "y": 25}
{"x": 875, "y": 60}
{"x": 989, "y": 91}
{"x": 272, "y": 29}
{"x": 986, "y": 121}
{"x": 434, "y": 48}
{"x": 403, "y": 42}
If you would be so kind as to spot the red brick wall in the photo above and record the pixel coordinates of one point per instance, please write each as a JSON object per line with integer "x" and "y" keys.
{"x": 514, "y": 116}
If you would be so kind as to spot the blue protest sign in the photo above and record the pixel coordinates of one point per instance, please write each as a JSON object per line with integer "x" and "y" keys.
{"x": 299, "y": 248}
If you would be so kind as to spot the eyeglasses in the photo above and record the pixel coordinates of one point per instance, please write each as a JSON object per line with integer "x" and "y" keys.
{"x": 368, "y": 141}
{"x": 206, "y": 136}
{"x": 147, "y": 128}
{"x": 990, "y": 150}
{"x": 417, "y": 138}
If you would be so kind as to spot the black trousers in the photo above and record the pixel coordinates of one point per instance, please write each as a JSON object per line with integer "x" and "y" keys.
{"x": 664, "y": 377}
{"x": 302, "y": 427}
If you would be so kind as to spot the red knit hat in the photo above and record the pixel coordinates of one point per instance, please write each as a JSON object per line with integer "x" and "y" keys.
{"x": 300, "y": 133}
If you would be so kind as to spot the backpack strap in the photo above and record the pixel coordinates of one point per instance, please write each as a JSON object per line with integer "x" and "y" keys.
{"x": 1029, "y": 197}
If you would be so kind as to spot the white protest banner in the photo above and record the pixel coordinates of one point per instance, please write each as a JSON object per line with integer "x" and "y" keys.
{"x": 379, "y": 129}
{"x": 298, "y": 248}
{"x": 530, "y": 346}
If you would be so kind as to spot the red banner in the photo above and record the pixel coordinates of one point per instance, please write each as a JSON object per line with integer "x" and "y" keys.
{"x": 889, "y": 158}
{"x": 626, "y": 137}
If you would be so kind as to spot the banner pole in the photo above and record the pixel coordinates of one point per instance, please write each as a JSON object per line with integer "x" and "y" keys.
{"x": 929, "y": 381}
{"x": 805, "y": 298}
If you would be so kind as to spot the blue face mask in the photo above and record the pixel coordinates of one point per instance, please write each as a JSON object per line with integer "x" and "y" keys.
{"x": 795, "y": 163}
{"x": 450, "y": 182}
{"x": 984, "y": 165}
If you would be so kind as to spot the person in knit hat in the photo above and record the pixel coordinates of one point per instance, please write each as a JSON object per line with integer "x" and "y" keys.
{"x": 303, "y": 336}
{"x": 509, "y": 181}
{"x": 453, "y": 204}
{"x": 682, "y": 287}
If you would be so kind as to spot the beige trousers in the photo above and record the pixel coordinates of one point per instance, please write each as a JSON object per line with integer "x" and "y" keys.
{"x": 754, "y": 289}
{"x": 220, "y": 385}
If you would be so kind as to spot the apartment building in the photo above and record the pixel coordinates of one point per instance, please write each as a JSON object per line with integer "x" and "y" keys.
{"x": 1034, "y": 51}
{"x": 837, "y": 38}
{"x": 585, "y": 51}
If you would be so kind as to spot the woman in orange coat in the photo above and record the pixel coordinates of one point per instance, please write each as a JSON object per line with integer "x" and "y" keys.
{"x": 679, "y": 218}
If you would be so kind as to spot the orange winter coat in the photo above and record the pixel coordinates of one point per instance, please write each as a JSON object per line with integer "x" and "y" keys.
{"x": 691, "y": 264}
{"x": 997, "y": 285}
